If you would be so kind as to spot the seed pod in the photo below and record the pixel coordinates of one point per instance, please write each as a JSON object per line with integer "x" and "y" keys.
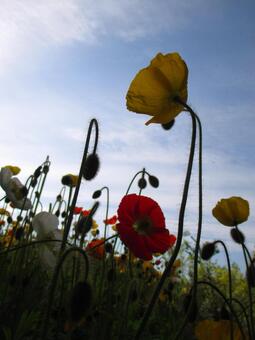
{"x": 91, "y": 166}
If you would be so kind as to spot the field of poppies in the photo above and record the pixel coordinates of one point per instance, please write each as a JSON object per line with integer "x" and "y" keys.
{"x": 65, "y": 275}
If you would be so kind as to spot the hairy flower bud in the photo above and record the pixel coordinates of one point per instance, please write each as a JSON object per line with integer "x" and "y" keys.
{"x": 208, "y": 251}
{"x": 237, "y": 236}
{"x": 91, "y": 166}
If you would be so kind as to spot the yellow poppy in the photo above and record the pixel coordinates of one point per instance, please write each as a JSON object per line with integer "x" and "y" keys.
{"x": 4, "y": 212}
{"x": 220, "y": 330}
{"x": 231, "y": 211}
{"x": 14, "y": 169}
{"x": 155, "y": 87}
{"x": 70, "y": 180}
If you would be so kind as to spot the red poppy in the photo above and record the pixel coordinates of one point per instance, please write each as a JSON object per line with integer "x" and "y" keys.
{"x": 77, "y": 210}
{"x": 111, "y": 220}
{"x": 85, "y": 212}
{"x": 142, "y": 227}
{"x": 96, "y": 248}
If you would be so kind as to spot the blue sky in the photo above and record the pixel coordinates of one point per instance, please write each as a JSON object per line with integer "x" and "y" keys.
{"x": 65, "y": 62}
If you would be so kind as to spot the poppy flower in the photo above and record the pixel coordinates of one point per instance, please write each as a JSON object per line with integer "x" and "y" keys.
{"x": 85, "y": 212}
{"x": 154, "y": 88}
{"x": 220, "y": 330}
{"x": 14, "y": 189}
{"x": 77, "y": 210}
{"x": 142, "y": 227}
{"x": 111, "y": 220}
{"x": 231, "y": 211}
{"x": 96, "y": 248}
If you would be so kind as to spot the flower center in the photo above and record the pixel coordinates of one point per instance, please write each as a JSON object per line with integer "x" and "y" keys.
{"x": 143, "y": 226}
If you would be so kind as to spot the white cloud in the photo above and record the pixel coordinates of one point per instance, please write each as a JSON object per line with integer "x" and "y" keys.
{"x": 28, "y": 26}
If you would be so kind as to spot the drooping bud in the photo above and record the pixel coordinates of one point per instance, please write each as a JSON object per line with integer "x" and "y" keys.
{"x": 142, "y": 183}
{"x": 208, "y": 251}
{"x": 237, "y": 236}
{"x": 37, "y": 172}
{"x": 154, "y": 182}
{"x": 97, "y": 194}
{"x": 168, "y": 125}
{"x": 91, "y": 166}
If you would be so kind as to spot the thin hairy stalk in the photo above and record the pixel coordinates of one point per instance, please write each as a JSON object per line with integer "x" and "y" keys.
{"x": 179, "y": 234}
{"x": 226, "y": 302}
{"x": 94, "y": 123}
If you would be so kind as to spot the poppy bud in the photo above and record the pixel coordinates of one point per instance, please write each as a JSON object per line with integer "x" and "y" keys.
{"x": 57, "y": 213}
{"x": 84, "y": 224}
{"x": 9, "y": 219}
{"x": 91, "y": 166}
{"x": 37, "y": 172}
{"x": 63, "y": 215}
{"x": 96, "y": 194}
{"x": 33, "y": 182}
{"x": 154, "y": 182}
{"x": 80, "y": 301}
{"x": 19, "y": 218}
{"x": 168, "y": 125}
{"x": 142, "y": 183}
{"x": 66, "y": 180}
{"x": 7, "y": 200}
{"x": 59, "y": 198}
{"x": 237, "y": 236}
{"x": 46, "y": 169}
{"x": 208, "y": 251}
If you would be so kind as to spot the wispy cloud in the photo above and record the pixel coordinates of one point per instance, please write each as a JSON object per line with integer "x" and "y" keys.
{"x": 28, "y": 26}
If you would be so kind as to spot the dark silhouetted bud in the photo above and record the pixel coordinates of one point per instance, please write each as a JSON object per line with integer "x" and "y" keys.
{"x": 66, "y": 180}
{"x": 108, "y": 247}
{"x": 208, "y": 251}
{"x": 96, "y": 194}
{"x": 237, "y": 236}
{"x": 80, "y": 301}
{"x": 59, "y": 198}
{"x": 33, "y": 182}
{"x": 154, "y": 182}
{"x": 19, "y": 233}
{"x": 168, "y": 125}
{"x": 37, "y": 172}
{"x": 37, "y": 194}
{"x": 250, "y": 274}
{"x": 19, "y": 218}
{"x": 7, "y": 200}
{"x": 142, "y": 183}
{"x": 63, "y": 215}
{"x": 91, "y": 167}
{"x": 31, "y": 214}
{"x": 57, "y": 213}
{"x": 46, "y": 169}
{"x": 9, "y": 219}
{"x": 84, "y": 225}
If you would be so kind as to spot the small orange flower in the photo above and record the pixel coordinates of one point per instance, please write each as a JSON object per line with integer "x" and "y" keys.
{"x": 96, "y": 248}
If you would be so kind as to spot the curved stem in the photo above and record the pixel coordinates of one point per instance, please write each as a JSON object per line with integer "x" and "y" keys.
{"x": 93, "y": 122}
{"x": 132, "y": 181}
{"x": 179, "y": 235}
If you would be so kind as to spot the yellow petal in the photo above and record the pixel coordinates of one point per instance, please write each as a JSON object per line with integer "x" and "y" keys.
{"x": 14, "y": 169}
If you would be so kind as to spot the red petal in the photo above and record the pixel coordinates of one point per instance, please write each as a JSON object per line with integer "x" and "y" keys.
{"x": 111, "y": 220}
